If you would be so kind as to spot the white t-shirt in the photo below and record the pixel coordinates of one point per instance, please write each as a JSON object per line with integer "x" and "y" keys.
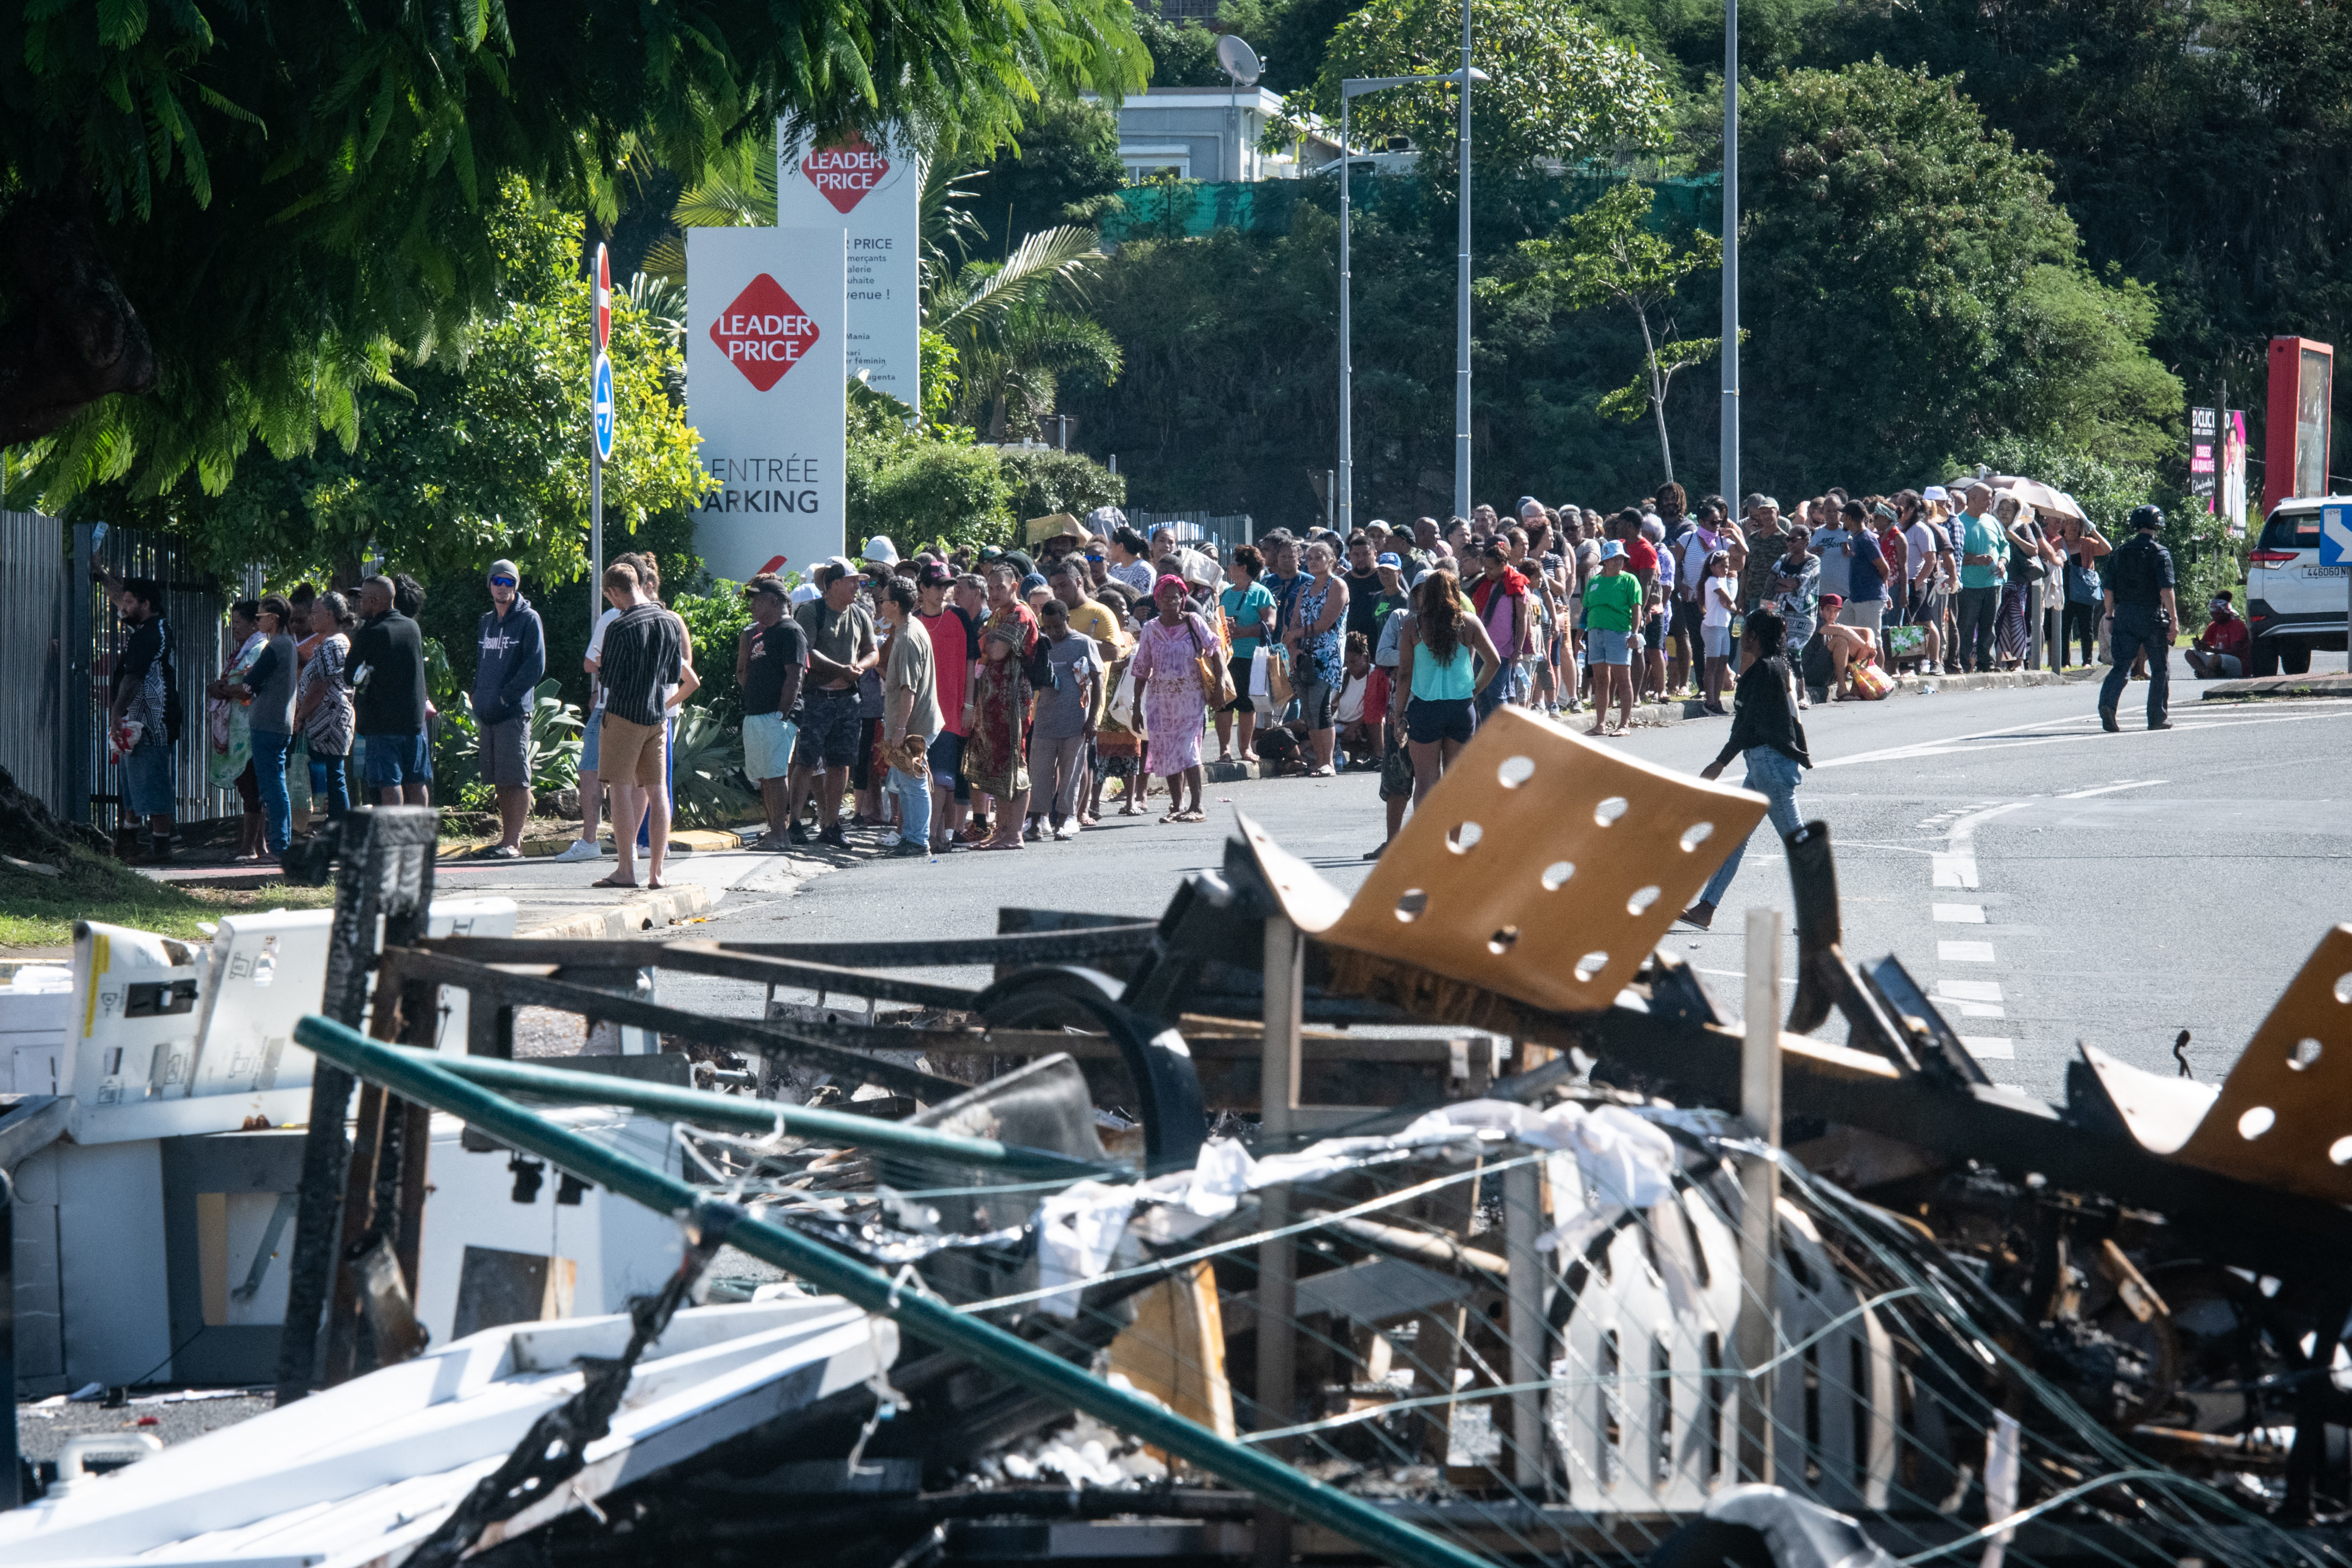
{"x": 1696, "y": 548}
{"x": 1351, "y": 700}
{"x": 1718, "y": 596}
{"x": 596, "y": 652}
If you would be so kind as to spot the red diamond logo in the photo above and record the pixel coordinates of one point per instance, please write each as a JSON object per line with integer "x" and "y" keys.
{"x": 763, "y": 334}
{"x": 842, "y": 174}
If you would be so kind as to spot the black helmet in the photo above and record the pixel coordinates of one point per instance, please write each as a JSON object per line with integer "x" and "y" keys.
{"x": 2147, "y": 517}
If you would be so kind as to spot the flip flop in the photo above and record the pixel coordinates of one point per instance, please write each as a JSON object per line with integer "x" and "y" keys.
{"x": 611, "y": 882}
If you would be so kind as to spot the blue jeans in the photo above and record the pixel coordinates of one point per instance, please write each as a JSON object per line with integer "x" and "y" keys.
{"x": 328, "y": 787}
{"x": 1775, "y": 777}
{"x": 2132, "y": 631}
{"x": 914, "y": 792}
{"x": 269, "y": 774}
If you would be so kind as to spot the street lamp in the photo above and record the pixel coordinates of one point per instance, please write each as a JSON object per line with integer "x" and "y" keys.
{"x": 1729, "y": 477}
{"x": 1350, "y": 89}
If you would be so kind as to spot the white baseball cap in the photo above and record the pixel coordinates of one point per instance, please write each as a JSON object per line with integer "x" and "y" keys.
{"x": 880, "y": 551}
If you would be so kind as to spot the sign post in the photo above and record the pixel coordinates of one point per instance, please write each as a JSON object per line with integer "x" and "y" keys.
{"x": 600, "y": 447}
{"x": 2335, "y": 549}
{"x": 872, "y": 196}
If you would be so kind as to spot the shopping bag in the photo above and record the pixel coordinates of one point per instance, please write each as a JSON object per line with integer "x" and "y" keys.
{"x": 1258, "y": 662}
{"x": 1277, "y": 680}
{"x": 1905, "y": 642}
{"x": 1871, "y": 683}
{"x": 1122, "y": 698}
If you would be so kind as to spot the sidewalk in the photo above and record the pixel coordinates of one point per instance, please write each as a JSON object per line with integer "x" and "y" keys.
{"x": 2337, "y": 684}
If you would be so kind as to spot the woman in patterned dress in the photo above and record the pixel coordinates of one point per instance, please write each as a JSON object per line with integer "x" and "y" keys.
{"x": 1167, "y": 667}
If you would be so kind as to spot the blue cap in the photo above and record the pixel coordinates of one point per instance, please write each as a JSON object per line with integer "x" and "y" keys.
{"x": 1611, "y": 550}
{"x": 1389, "y": 557}
{"x": 1032, "y": 583}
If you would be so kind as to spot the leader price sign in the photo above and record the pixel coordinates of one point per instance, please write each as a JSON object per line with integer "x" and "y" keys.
{"x": 873, "y": 194}
{"x": 766, "y": 382}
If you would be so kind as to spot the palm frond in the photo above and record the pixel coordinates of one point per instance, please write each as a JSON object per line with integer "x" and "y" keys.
{"x": 1049, "y": 261}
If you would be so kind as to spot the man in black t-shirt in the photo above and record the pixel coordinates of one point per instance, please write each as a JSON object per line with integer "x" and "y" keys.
{"x": 1363, "y": 580}
{"x": 145, "y": 695}
{"x": 770, "y": 661}
{"x": 387, "y": 671}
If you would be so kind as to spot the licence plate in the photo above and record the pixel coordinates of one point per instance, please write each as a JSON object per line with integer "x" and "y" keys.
{"x": 2326, "y": 570}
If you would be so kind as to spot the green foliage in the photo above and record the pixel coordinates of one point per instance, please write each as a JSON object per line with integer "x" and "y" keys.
{"x": 707, "y": 772}
{"x": 553, "y": 739}
{"x": 715, "y": 620}
{"x": 1562, "y": 88}
{"x": 1184, "y": 53}
{"x": 1018, "y": 329}
{"x": 1607, "y": 256}
{"x": 1915, "y": 291}
{"x": 918, "y": 488}
{"x": 475, "y": 457}
{"x": 1044, "y": 481}
{"x": 1290, "y": 35}
{"x": 1064, "y": 168}
{"x": 294, "y": 196}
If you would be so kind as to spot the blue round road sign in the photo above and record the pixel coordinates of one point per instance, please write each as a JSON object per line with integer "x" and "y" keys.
{"x": 602, "y": 397}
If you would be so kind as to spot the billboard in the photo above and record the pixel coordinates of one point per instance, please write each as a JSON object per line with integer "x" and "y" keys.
{"x": 2302, "y": 394}
{"x": 873, "y": 196}
{"x": 2234, "y": 470}
{"x": 2203, "y": 435}
{"x": 767, "y": 391}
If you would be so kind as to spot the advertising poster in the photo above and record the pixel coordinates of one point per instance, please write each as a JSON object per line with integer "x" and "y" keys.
{"x": 873, "y": 194}
{"x": 2234, "y": 470}
{"x": 767, "y": 390}
{"x": 2203, "y": 437}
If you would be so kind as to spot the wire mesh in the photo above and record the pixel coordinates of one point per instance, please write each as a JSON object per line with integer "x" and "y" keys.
{"x": 1488, "y": 1338}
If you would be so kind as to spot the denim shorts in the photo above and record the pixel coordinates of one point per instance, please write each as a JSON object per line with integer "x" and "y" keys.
{"x": 591, "y": 734}
{"x": 768, "y": 745}
{"x": 946, "y": 763}
{"x": 396, "y": 759}
{"x": 1428, "y": 720}
{"x": 830, "y": 729}
{"x": 1603, "y": 646}
{"x": 147, "y": 779}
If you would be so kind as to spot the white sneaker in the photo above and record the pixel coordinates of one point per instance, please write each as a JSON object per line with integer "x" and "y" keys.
{"x": 580, "y": 850}
{"x": 1066, "y": 830}
{"x": 893, "y": 839}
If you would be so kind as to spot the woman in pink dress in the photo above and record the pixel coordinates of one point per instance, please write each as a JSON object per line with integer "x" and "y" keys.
{"x": 1167, "y": 666}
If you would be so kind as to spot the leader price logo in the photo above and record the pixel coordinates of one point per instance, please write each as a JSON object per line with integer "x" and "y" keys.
{"x": 843, "y": 175}
{"x": 763, "y": 334}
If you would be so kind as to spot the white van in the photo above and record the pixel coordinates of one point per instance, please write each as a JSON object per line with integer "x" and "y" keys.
{"x": 2294, "y": 604}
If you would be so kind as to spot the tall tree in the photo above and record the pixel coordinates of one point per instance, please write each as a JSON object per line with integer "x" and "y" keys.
{"x": 1608, "y": 256}
{"x": 220, "y": 223}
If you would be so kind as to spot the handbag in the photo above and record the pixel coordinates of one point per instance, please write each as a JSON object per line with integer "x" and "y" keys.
{"x": 1278, "y": 690}
{"x": 1258, "y": 662}
{"x": 1871, "y": 683}
{"x": 2082, "y": 584}
{"x": 1216, "y": 675}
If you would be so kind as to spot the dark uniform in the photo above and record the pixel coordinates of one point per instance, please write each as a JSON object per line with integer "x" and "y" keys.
{"x": 2139, "y": 572}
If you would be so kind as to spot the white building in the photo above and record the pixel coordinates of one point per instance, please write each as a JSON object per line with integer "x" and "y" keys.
{"x": 1211, "y": 133}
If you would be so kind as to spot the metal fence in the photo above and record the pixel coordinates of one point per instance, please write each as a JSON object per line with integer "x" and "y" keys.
{"x": 58, "y": 644}
{"x": 1227, "y": 528}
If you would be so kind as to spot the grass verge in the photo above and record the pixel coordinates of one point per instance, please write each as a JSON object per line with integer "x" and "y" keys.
{"x": 40, "y": 911}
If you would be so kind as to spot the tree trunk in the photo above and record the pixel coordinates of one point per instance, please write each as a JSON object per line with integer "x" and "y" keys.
{"x": 1657, "y": 390}
{"x": 73, "y": 336}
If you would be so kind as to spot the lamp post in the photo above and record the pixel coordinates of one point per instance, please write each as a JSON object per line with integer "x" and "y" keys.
{"x": 1349, "y": 90}
{"x": 1729, "y": 476}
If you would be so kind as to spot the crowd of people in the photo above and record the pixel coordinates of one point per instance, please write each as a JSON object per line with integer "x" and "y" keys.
{"x": 994, "y": 698}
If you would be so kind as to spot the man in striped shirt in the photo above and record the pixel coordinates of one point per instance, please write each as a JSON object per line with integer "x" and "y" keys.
{"x": 643, "y": 663}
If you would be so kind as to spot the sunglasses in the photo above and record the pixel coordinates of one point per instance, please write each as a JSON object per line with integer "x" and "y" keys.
{"x": 502, "y": 582}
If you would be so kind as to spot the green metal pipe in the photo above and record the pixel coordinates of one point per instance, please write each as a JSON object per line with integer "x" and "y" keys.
{"x": 426, "y": 1079}
{"x": 556, "y": 1084}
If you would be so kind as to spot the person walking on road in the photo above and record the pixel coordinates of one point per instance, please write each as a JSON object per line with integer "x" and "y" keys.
{"x": 2141, "y": 614}
{"x": 146, "y": 694}
{"x": 388, "y": 674}
{"x": 1167, "y": 671}
{"x": 642, "y": 659}
{"x": 1766, "y": 734}
{"x": 1446, "y": 659}
{"x": 513, "y": 661}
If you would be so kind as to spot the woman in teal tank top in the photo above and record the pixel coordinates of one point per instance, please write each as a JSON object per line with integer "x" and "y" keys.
{"x": 1447, "y": 658}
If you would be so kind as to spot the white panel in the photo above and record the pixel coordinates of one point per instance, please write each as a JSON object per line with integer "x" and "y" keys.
{"x": 112, "y": 1276}
{"x": 875, "y": 195}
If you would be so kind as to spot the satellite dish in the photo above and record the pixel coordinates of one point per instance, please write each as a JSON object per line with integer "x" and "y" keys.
{"x": 1239, "y": 60}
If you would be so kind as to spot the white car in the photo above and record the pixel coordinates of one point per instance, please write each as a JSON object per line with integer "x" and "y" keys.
{"x": 2294, "y": 604}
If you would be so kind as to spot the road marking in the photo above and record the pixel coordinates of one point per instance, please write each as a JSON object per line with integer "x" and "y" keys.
{"x": 1964, "y": 952}
{"x": 2007, "y": 739}
{"x": 2111, "y": 788}
{"x": 1990, "y": 1048}
{"x": 1970, "y": 990}
{"x": 1975, "y": 1010}
{"x": 1960, "y": 914}
{"x": 1955, "y": 870}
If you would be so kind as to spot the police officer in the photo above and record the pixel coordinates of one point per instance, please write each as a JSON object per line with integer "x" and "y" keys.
{"x": 2141, "y": 615}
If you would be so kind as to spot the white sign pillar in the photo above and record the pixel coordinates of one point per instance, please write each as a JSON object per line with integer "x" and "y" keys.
{"x": 767, "y": 391}
{"x": 875, "y": 196}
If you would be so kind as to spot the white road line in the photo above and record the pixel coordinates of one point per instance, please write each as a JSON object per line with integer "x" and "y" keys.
{"x": 1960, "y": 914}
{"x": 1994, "y": 740}
{"x": 1990, "y": 1048}
{"x": 1970, "y": 990}
{"x": 1973, "y": 1010}
{"x": 1964, "y": 952}
{"x": 1955, "y": 870}
{"x": 2111, "y": 788}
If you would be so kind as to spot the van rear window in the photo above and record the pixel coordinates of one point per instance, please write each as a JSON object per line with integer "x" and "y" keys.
{"x": 2292, "y": 530}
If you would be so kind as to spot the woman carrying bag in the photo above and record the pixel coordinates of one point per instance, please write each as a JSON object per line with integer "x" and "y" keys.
{"x": 1177, "y": 666}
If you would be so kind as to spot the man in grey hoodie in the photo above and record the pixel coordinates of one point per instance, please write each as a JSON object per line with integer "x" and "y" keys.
{"x": 513, "y": 662}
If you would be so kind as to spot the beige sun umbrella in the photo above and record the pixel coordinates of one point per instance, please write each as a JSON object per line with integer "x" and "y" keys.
{"x": 2038, "y": 496}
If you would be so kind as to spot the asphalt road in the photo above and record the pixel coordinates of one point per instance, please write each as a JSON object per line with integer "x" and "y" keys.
{"x": 2049, "y": 883}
